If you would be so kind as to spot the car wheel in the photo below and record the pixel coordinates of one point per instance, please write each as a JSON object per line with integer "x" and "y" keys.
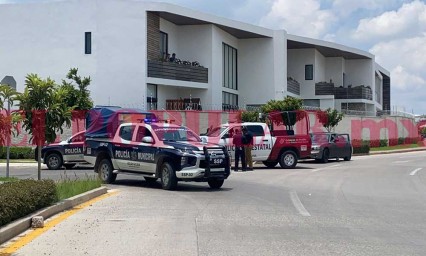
{"x": 270, "y": 164}
{"x": 105, "y": 171}
{"x": 288, "y": 160}
{"x": 54, "y": 161}
{"x": 69, "y": 166}
{"x": 215, "y": 184}
{"x": 325, "y": 155}
{"x": 348, "y": 158}
{"x": 168, "y": 177}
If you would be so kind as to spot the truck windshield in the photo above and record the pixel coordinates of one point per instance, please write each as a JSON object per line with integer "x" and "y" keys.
{"x": 215, "y": 132}
{"x": 176, "y": 134}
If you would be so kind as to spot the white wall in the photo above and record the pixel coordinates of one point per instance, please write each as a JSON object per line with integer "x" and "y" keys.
{"x": 173, "y": 35}
{"x": 359, "y": 72}
{"x": 297, "y": 59}
{"x": 256, "y": 59}
{"x": 334, "y": 70}
{"x": 319, "y": 67}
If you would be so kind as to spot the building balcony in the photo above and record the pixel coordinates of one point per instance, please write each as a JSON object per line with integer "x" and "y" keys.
{"x": 174, "y": 71}
{"x": 293, "y": 86}
{"x": 357, "y": 92}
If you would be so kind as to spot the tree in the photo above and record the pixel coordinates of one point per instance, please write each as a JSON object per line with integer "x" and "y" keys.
{"x": 44, "y": 111}
{"x": 329, "y": 118}
{"x": 8, "y": 121}
{"x": 285, "y": 111}
{"x": 250, "y": 116}
{"x": 77, "y": 98}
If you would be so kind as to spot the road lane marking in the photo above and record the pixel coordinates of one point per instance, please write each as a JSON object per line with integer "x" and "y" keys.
{"x": 331, "y": 166}
{"x": 26, "y": 239}
{"x": 415, "y": 171}
{"x": 298, "y": 204}
{"x": 401, "y": 162}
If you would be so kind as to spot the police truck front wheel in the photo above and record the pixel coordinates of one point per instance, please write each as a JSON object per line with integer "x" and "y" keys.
{"x": 215, "y": 184}
{"x": 54, "y": 161}
{"x": 105, "y": 171}
{"x": 168, "y": 177}
{"x": 288, "y": 160}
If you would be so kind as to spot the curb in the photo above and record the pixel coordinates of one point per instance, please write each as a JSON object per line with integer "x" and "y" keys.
{"x": 18, "y": 226}
{"x": 397, "y": 151}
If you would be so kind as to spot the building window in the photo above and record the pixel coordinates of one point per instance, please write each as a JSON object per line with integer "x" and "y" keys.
{"x": 151, "y": 99}
{"x": 164, "y": 44}
{"x": 229, "y": 101}
{"x": 88, "y": 43}
{"x": 309, "y": 72}
{"x": 230, "y": 65}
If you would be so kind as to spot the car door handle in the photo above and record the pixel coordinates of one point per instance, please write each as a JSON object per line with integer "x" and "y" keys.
{"x": 265, "y": 140}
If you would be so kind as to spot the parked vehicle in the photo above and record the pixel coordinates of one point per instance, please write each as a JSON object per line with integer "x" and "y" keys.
{"x": 326, "y": 146}
{"x": 66, "y": 153}
{"x": 281, "y": 144}
{"x": 152, "y": 149}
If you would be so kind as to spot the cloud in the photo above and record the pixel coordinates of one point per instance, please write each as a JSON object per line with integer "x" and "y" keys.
{"x": 408, "y": 20}
{"x": 302, "y": 17}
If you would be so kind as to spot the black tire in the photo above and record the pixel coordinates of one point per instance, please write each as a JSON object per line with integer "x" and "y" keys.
{"x": 288, "y": 160}
{"x": 325, "y": 155}
{"x": 270, "y": 164}
{"x": 54, "y": 161}
{"x": 150, "y": 180}
{"x": 105, "y": 171}
{"x": 215, "y": 184}
{"x": 69, "y": 166}
{"x": 168, "y": 177}
{"x": 348, "y": 158}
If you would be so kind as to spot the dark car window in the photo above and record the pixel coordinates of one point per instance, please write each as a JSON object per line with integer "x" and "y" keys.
{"x": 126, "y": 132}
{"x": 142, "y": 132}
{"x": 256, "y": 130}
{"x": 78, "y": 138}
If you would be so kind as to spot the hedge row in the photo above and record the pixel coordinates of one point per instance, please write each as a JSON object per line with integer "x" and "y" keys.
{"x": 20, "y": 198}
{"x": 385, "y": 142}
{"x": 18, "y": 153}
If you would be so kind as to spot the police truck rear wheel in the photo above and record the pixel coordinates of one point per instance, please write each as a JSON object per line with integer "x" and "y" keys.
{"x": 215, "y": 184}
{"x": 288, "y": 160}
{"x": 54, "y": 161}
{"x": 168, "y": 177}
{"x": 105, "y": 171}
{"x": 270, "y": 164}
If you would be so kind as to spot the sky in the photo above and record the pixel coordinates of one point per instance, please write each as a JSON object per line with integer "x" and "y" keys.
{"x": 393, "y": 30}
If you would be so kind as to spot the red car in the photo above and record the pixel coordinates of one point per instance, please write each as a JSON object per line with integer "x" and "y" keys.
{"x": 326, "y": 146}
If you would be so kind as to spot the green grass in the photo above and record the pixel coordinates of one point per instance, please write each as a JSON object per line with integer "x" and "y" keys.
{"x": 68, "y": 187}
{"x": 395, "y": 147}
{"x": 18, "y": 161}
{"x": 8, "y": 179}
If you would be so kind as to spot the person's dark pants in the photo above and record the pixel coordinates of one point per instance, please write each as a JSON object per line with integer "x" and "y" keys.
{"x": 239, "y": 153}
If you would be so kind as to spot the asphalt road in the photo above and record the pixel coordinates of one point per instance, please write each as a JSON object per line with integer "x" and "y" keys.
{"x": 373, "y": 205}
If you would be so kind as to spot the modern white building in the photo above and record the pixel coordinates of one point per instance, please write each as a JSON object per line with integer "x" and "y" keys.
{"x": 123, "y": 45}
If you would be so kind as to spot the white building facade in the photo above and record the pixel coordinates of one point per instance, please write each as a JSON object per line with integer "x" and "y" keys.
{"x": 123, "y": 45}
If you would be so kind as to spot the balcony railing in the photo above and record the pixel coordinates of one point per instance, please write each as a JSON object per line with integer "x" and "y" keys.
{"x": 174, "y": 71}
{"x": 357, "y": 92}
{"x": 293, "y": 86}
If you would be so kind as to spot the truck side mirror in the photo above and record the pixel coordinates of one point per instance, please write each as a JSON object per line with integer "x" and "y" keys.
{"x": 148, "y": 140}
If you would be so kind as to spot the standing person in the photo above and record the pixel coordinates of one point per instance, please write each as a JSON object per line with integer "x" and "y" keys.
{"x": 237, "y": 141}
{"x": 248, "y": 145}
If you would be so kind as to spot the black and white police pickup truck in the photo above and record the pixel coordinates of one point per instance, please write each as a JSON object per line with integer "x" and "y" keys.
{"x": 157, "y": 150}
{"x": 66, "y": 153}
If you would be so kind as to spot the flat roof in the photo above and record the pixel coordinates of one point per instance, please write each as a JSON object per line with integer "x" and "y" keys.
{"x": 328, "y": 49}
{"x": 185, "y": 16}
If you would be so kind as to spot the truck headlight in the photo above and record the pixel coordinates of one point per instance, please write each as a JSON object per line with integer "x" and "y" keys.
{"x": 183, "y": 160}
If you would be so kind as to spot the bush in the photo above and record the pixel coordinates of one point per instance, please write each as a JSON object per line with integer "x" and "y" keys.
{"x": 374, "y": 143}
{"x": 394, "y": 142}
{"x": 20, "y": 198}
{"x": 401, "y": 141}
{"x": 361, "y": 146}
{"x": 18, "y": 153}
{"x": 383, "y": 143}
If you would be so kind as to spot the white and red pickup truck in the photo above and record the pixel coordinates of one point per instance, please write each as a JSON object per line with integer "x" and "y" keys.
{"x": 270, "y": 147}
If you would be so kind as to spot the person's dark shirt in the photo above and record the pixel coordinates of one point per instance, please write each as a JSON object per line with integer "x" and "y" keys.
{"x": 248, "y": 138}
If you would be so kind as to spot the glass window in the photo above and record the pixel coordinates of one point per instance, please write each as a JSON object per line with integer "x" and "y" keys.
{"x": 151, "y": 96}
{"x": 230, "y": 99}
{"x": 142, "y": 132}
{"x": 88, "y": 43}
{"x": 164, "y": 44}
{"x": 256, "y": 130}
{"x": 230, "y": 74}
{"x": 126, "y": 132}
{"x": 79, "y": 137}
{"x": 309, "y": 72}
